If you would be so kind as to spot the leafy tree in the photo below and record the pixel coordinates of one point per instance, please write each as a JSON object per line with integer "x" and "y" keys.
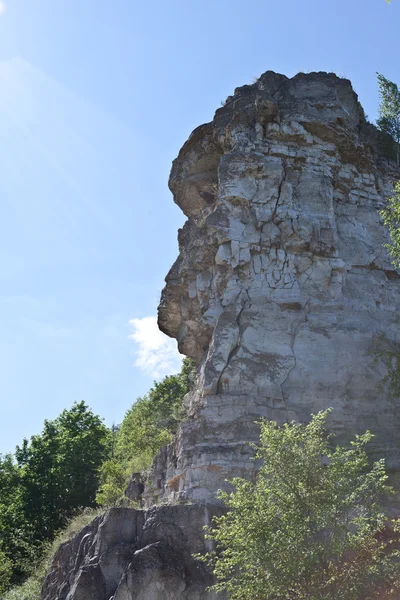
{"x": 114, "y": 476}
{"x": 13, "y": 526}
{"x": 387, "y": 351}
{"x": 311, "y": 526}
{"x": 151, "y": 422}
{"x": 5, "y": 572}
{"x": 391, "y": 218}
{"x": 148, "y": 425}
{"x": 389, "y": 111}
{"x": 59, "y": 469}
{"x": 46, "y": 482}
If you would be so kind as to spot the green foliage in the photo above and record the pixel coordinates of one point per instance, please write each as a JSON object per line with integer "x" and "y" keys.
{"x": 50, "y": 478}
{"x": 12, "y": 519}
{"x": 56, "y": 473}
{"x": 389, "y": 111}
{"x": 391, "y": 218}
{"x": 311, "y": 526}
{"x": 387, "y": 351}
{"x": 148, "y": 425}
{"x": 5, "y": 572}
{"x": 59, "y": 469}
{"x": 114, "y": 475}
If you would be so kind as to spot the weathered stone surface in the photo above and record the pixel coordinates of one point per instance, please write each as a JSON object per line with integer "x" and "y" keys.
{"x": 282, "y": 286}
{"x": 280, "y": 292}
{"x": 129, "y": 554}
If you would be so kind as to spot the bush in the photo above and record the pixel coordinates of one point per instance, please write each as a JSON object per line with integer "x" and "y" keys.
{"x": 148, "y": 425}
{"x": 5, "y": 572}
{"x": 311, "y": 526}
{"x": 47, "y": 480}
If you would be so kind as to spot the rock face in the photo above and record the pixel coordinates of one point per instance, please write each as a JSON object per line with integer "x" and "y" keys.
{"x": 282, "y": 289}
{"x": 126, "y": 554}
{"x": 281, "y": 292}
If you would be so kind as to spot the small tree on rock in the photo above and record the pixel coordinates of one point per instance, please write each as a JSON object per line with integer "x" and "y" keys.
{"x": 311, "y": 526}
{"x": 391, "y": 218}
{"x": 5, "y": 572}
{"x": 389, "y": 111}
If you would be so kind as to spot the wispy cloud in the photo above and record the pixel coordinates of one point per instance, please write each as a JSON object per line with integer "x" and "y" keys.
{"x": 156, "y": 354}
{"x": 3, "y": 7}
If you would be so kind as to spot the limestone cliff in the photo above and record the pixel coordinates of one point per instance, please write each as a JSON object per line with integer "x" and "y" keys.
{"x": 280, "y": 292}
{"x": 282, "y": 287}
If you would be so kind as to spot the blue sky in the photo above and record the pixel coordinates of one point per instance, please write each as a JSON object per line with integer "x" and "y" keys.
{"x": 96, "y": 98}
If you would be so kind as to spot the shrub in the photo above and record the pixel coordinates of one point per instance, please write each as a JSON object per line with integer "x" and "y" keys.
{"x": 311, "y": 526}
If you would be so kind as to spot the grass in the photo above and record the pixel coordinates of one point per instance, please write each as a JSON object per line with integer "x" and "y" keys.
{"x": 30, "y": 590}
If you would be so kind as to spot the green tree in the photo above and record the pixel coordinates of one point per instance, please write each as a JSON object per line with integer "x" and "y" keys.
{"x": 59, "y": 470}
{"x": 148, "y": 425}
{"x": 391, "y": 218}
{"x": 5, "y": 572}
{"x": 45, "y": 483}
{"x": 389, "y": 111}
{"x": 13, "y": 526}
{"x": 311, "y": 526}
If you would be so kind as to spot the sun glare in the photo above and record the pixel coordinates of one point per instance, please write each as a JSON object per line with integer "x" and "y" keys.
{"x": 63, "y": 145}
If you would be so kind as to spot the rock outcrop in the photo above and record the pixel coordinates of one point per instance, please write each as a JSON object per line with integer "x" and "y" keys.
{"x": 281, "y": 293}
{"x": 282, "y": 289}
{"x": 129, "y": 554}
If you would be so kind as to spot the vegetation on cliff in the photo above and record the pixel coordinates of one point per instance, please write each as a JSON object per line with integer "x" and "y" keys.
{"x": 31, "y": 588}
{"x": 389, "y": 123}
{"x": 389, "y": 112}
{"x": 148, "y": 425}
{"x": 391, "y": 218}
{"x": 55, "y": 475}
{"x": 47, "y": 480}
{"x": 311, "y": 525}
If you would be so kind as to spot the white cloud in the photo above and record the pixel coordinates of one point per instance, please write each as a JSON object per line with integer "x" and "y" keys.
{"x": 156, "y": 354}
{"x": 3, "y": 7}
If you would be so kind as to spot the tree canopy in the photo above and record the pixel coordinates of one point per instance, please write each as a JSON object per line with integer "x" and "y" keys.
{"x": 148, "y": 425}
{"x": 54, "y": 474}
{"x": 50, "y": 477}
{"x": 391, "y": 218}
{"x": 389, "y": 111}
{"x": 311, "y": 526}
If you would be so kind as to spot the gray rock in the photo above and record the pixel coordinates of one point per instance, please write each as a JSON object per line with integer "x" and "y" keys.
{"x": 281, "y": 292}
{"x": 128, "y": 554}
{"x": 282, "y": 288}
{"x": 135, "y": 488}
{"x": 93, "y": 562}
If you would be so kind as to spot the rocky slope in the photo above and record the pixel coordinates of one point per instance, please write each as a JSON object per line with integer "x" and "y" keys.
{"x": 281, "y": 293}
{"x": 128, "y": 554}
